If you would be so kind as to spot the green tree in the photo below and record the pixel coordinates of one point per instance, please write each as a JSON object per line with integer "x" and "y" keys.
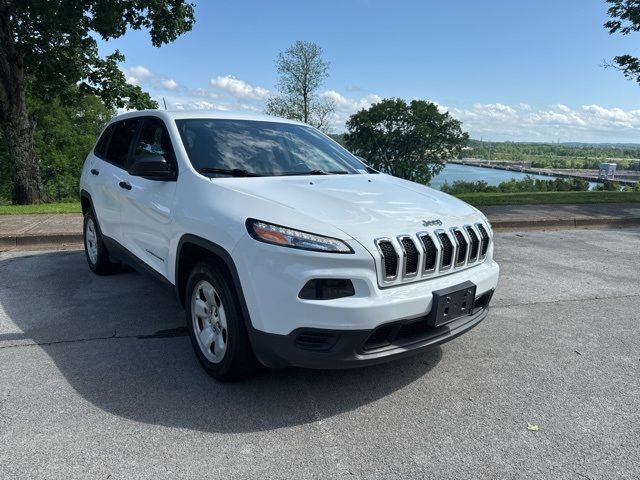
{"x": 48, "y": 49}
{"x": 410, "y": 141}
{"x": 301, "y": 72}
{"x": 625, "y": 19}
{"x": 63, "y": 136}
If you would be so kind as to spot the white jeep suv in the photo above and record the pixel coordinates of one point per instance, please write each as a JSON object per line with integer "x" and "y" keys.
{"x": 283, "y": 247}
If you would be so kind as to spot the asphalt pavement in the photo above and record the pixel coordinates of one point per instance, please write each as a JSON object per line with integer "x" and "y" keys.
{"x": 98, "y": 380}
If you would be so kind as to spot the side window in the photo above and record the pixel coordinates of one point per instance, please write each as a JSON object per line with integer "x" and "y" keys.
{"x": 153, "y": 141}
{"x": 101, "y": 146}
{"x": 118, "y": 150}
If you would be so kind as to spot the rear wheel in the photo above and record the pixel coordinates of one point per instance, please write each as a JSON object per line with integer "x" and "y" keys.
{"x": 94, "y": 249}
{"x": 216, "y": 325}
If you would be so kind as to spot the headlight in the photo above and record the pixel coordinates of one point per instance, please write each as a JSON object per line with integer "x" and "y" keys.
{"x": 288, "y": 237}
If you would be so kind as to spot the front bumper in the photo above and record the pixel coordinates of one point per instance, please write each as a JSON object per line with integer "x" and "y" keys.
{"x": 271, "y": 278}
{"x": 372, "y": 326}
{"x": 305, "y": 347}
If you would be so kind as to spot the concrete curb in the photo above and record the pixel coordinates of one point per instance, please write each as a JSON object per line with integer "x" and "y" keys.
{"x": 581, "y": 222}
{"x": 31, "y": 241}
{"x": 58, "y": 239}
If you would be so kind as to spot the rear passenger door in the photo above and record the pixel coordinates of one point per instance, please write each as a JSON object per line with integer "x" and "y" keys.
{"x": 110, "y": 176}
{"x": 148, "y": 207}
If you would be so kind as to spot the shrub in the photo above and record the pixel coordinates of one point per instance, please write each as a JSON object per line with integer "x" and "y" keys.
{"x": 527, "y": 184}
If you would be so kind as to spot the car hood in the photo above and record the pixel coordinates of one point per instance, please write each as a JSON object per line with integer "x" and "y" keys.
{"x": 364, "y": 207}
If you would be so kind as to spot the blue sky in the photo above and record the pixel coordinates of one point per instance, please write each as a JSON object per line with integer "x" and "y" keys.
{"x": 509, "y": 70}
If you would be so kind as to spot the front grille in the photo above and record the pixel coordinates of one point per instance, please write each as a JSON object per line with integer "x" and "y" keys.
{"x": 461, "y": 256}
{"x": 412, "y": 256}
{"x": 485, "y": 239}
{"x": 475, "y": 243}
{"x": 430, "y": 253}
{"x": 389, "y": 257}
{"x": 447, "y": 250}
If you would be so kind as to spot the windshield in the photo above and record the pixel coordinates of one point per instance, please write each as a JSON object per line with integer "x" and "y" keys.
{"x": 254, "y": 148}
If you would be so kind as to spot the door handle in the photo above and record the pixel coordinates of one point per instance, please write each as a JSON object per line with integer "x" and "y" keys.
{"x": 94, "y": 172}
{"x": 125, "y": 185}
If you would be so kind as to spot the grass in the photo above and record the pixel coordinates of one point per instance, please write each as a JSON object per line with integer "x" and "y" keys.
{"x": 542, "y": 198}
{"x": 478, "y": 199}
{"x": 69, "y": 207}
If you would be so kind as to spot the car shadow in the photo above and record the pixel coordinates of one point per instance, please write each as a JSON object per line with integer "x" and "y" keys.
{"x": 120, "y": 342}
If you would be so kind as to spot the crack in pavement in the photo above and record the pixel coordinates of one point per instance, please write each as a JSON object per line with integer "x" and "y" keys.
{"x": 168, "y": 333}
{"x": 553, "y": 302}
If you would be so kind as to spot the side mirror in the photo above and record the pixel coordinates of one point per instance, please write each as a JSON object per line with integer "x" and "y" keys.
{"x": 152, "y": 167}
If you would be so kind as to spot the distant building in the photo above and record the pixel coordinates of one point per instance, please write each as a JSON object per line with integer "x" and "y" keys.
{"x": 607, "y": 170}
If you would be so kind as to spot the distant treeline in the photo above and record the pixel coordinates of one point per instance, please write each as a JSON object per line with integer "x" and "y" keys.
{"x": 557, "y": 155}
{"x": 530, "y": 184}
{"x": 552, "y": 155}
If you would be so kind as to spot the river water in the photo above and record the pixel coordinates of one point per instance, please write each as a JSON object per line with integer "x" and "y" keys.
{"x": 468, "y": 173}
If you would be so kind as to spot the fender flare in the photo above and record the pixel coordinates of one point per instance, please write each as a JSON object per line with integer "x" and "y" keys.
{"x": 226, "y": 258}
{"x": 84, "y": 194}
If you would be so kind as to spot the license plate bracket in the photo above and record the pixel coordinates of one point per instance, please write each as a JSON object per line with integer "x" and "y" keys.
{"x": 451, "y": 303}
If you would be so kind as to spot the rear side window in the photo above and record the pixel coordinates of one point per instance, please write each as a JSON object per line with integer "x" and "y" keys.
{"x": 120, "y": 142}
{"x": 101, "y": 146}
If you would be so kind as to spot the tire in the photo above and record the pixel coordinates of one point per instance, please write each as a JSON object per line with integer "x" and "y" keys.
{"x": 94, "y": 249}
{"x": 216, "y": 325}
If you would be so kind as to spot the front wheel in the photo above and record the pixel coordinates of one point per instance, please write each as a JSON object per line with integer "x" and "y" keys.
{"x": 216, "y": 325}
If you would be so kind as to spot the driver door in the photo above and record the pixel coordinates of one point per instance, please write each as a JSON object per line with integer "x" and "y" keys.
{"x": 147, "y": 220}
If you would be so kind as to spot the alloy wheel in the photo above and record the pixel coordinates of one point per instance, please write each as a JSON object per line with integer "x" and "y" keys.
{"x": 209, "y": 321}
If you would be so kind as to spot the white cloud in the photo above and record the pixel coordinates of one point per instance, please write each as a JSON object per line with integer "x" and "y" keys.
{"x": 140, "y": 75}
{"x": 495, "y": 110}
{"x": 185, "y": 103}
{"x": 336, "y": 98}
{"x": 239, "y": 88}
{"x": 588, "y": 123}
{"x": 140, "y": 72}
{"x": 349, "y": 104}
{"x": 169, "y": 84}
{"x": 136, "y": 75}
{"x": 441, "y": 108}
{"x": 561, "y": 107}
{"x": 204, "y": 93}
{"x": 345, "y": 107}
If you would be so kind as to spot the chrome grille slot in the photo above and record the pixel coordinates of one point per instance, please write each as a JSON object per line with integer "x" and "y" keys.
{"x": 475, "y": 243}
{"x": 485, "y": 240}
{"x": 389, "y": 258}
{"x": 446, "y": 259}
{"x": 430, "y": 253}
{"x": 411, "y": 256}
{"x": 462, "y": 247}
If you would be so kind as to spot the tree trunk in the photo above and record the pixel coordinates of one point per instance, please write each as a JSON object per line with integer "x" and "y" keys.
{"x": 18, "y": 127}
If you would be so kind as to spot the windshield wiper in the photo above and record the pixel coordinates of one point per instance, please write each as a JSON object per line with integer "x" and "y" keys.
{"x": 318, "y": 172}
{"x": 234, "y": 172}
